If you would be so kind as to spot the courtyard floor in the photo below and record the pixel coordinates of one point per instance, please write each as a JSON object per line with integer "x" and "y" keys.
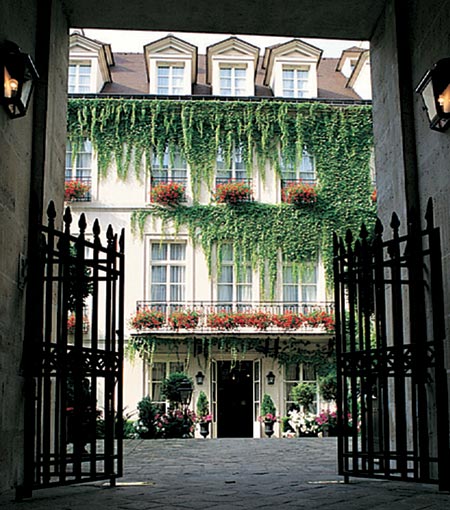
{"x": 225, "y": 474}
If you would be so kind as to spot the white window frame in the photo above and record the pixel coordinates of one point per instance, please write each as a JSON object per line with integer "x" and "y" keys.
{"x": 169, "y": 168}
{"x": 76, "y": 87}
{"x": 170, "y": 87}
{"x": 299, "y": 285}
{"x": 234, "y": 173}
{"x": 168, "y": 263}
{"x": 302, "y": 377}
{"x": 302, "y": 171}
{"x": 232, "y": 89}
{"x": 297, "y": 92}
{"x": 237, "y": 282}
{"x": 170, "y": 367}
{"x": 74, "y": 170}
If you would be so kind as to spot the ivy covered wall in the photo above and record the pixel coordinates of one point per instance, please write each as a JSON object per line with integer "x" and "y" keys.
{"x": 126, "y": 132}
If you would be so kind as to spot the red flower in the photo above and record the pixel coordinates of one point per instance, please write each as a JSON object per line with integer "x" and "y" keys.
{"x": 233, "y": 193}
{"x": 299, "y": 194}
{"x": 221, "y": 320}
{"x": 289, "y": 320}
{"x": 75, "y": 189}
{"x": 184, "y": 319}
{"x": 147, "y": 319}
{"x": 373, "y": 196}
{"x": 168, "y": 193}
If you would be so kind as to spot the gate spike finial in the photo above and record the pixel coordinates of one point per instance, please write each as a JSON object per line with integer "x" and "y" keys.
{"x": 67, "y": 218}
{"x": 96, "y": 228}
{"x": 379, "y": 227}
{"x": 429, "y": 214}
{"x": 51, "y": 210}
{"x": 349, "y": 237}
{"x": 122, "y": 241}
{"x": 363, "y": 233}
{"x": 82, "y": 224}
{"x": 395, "y": 221}
{"x": 110, "y": 234}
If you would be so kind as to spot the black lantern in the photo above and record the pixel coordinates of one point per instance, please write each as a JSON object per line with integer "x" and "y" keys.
{"x": 18, "y": 73}
{"x": 435, "y": 91}
{"x": 200, "y": 377}
{"x": 270, "y": 378}
{"x": 185, "y": 392}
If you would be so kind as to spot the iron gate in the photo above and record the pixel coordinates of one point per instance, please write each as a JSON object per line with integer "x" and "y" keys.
{"x": 392, "y": 387}
{"x": 73, "y": 358}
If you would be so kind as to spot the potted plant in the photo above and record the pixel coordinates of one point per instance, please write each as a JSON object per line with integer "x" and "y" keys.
{"x": 268, "y": 414}
{"x": 233, "y": 192}
{"x": 304, "y": 393}
{"x": 75, "y": 190}
{"x": 203, "y": 416}
{"x": 183, "y": 319}
{"x": 300, "y": 194}
{"x": 147, "y": 318}
{"x": 71, "y": 323}
{"x": 168, "y": 193}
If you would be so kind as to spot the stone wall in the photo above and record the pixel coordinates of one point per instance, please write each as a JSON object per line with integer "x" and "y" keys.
{"x": 427, "y": 34}
{"x": 18, "y": 163}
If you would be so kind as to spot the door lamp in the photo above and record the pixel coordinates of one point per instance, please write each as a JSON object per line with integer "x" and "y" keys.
{"x": 270, "y": 378}
{"x": 199, "y": 378}
{"x": 185, "y": 392}
{"x": 19, "y": 74}
{"x": 434, "y": 88}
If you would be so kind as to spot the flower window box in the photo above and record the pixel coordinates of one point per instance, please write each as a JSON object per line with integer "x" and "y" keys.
{"x": 183, "y": 319}
{"x": 168, "y": 193}
{"x": 75, "y": 190}
{"x": 299, "y": 194}
{"x": 233, "y": 193}
{"x": 147, "y": 318}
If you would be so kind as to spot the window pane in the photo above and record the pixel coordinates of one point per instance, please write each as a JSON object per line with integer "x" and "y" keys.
{"x": 309, "y": 293}
{"x": 244, "y": 293}
{"x": 227, "y": 252}
{"x": 225, "y": 293}
{"x": 159, "y": 274}
{"x": 158, "y": 371}
{"x": 292, "y": 372}
{"x": 290, "y": 293}
{"x": 308, "y": 274}
{"x": 159, "y": 251}
{"x": 177, "y": 274}
{"x": 309, "y": 372}
{"x": 158, "y": 293}
{"x": 226, "y": 275}
{"x": 177, "y": 252}
{"x": 156, "y": 392}
{"x": 176, "y": 366}
{"x": 177, "y": 293}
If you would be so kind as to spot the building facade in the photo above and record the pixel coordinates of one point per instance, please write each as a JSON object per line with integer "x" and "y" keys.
{"x": 225, "y": 305}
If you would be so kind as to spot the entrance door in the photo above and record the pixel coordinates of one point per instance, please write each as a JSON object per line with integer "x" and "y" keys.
{"x": 235, "y": 399}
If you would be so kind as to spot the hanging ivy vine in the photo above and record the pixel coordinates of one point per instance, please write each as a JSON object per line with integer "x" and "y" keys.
{"x": 126, "y": 133}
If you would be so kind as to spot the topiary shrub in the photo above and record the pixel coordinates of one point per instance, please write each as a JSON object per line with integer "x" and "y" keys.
{"x": 170, "y": 388}
{"x": 304, "y": 393}
{"x": 145, "y": 426}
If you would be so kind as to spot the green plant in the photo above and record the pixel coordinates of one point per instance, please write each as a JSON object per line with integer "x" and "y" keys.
{"x": 145, "y": 426}
{"x": 203, "y": 408}
{"x": 170, "y": 388}
{"x": 304, "y": 393}
{"x": 328, "y": 387}
{"x": 75, "y": 189}
{"x": 268, "y": 409}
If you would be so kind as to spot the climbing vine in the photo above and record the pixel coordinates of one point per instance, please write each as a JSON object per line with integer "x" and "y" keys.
{"x": 127, "y": 133}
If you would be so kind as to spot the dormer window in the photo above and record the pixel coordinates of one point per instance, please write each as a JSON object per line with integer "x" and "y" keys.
{"x": 231, "y": 68}
{"x": 291, "y": 69}
{"x": 170, "y": 79}
{"x": 232, "y": 81}
{"x": 296, "y": 81}
{"x": 80, "y": 74}
{"x": 171, "y": 66}
{"x": 89, "y": 65}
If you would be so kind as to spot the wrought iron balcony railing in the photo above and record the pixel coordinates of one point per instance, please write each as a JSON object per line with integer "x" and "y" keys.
{"x": 201, "y": 316}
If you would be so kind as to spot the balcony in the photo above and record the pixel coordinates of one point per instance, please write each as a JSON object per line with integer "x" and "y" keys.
{"x": 243, "y": 318}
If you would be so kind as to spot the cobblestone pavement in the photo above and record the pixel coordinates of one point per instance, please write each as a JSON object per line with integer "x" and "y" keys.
{"x": 224, "y": 474}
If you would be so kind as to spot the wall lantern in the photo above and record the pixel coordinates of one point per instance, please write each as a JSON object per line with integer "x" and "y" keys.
{"x": 435, "y": 91}
{"x": 18, "y": 73}
{"x": 270, "y": 378}
{"x": 185, "y": 392}
{"x": 199, "y": 378}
